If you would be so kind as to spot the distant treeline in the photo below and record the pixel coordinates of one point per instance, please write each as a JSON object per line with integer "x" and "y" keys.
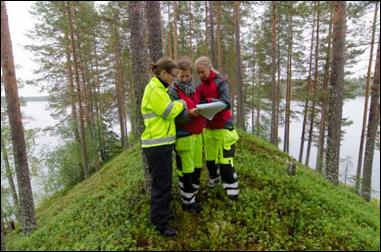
{"x": 23, "y": 100}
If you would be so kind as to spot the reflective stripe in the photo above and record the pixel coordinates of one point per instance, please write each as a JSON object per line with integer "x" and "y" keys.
{"x": 150, "y": 115}
{"x": 235, "y": 175}
{"x": 232, "y": 185}
{"x": 195, "y": 186}
{"x": 214, "y": 180}
{"x": 158, "y": 141}
{"x": 232, "y": 191}
{"x": 186, "y": 202}
{"x": 167, "y": 110}
{"x": 188, "y": 195}
{"x": 181, "y": 184}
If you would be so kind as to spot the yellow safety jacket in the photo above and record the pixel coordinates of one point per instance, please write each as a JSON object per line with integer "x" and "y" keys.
{"x": 159, "y": 114}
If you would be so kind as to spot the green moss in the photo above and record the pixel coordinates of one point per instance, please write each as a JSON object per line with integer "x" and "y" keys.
{"x": 275, "y": 211}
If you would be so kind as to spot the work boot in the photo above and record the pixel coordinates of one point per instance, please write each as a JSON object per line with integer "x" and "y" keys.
{"x": 168, "y": 231}
{"x": 192, "y": 208}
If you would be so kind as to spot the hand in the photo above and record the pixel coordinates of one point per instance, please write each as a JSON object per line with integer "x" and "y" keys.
{"x": 194, "y": 112}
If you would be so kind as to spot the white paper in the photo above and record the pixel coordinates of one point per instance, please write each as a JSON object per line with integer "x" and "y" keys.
{"x": 209, "y": 110}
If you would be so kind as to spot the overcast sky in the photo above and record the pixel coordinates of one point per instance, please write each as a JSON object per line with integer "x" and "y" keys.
{"x": 20, "y": 21}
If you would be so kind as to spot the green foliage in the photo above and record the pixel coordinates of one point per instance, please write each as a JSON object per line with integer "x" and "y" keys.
{"x": 275, "y": 211}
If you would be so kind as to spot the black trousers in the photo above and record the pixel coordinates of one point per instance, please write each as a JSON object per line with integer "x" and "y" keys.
{"x": 160, "y": 166}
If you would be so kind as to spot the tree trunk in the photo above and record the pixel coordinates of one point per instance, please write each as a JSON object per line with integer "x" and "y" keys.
{"x": 2, "y": 232}
{"x": 314, "y": 87}
{"x": 307, "y": 93}
{"x": 135, "y": 11}
{"x": 286, "y": 142}
{"x": 336, "y": 97}
{"x": 241, "y": 102}
{"x": 253, "y": 94}
{"x": 374, "y": 118}
{"x": 190, "y": 29}
{"x": 207, "y": 52}
{"x": 71, "y": 91}
{"x": 154, "y": 30}
{"x": 8, "y": 173}
{"x": 170, "y": 46}
{"x": 275, "y": 91}
{"x": 28, "y": 219}
{"x": 119, "y": 80}
{"x": 365, "y": 113}
{"x": 175, "y": 50}
{"x": 212, "y": 41}
{"x": 218, "y": 37}
{"x": 76, "y": 65}
{"x": 320, "y": 152}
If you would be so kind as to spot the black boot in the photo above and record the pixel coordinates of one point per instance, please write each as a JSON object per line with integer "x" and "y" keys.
{"x": 192, "y": 208}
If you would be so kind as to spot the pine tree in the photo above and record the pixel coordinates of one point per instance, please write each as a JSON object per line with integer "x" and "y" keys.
{"x": 28, "y": 219}
{"x": 336, "y": 95}
{"x": 373, "y": 122}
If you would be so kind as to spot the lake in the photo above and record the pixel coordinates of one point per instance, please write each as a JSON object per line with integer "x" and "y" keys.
{"x": 353, "y": 110}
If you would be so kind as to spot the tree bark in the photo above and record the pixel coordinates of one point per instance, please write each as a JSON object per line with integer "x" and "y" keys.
{"x": 373, "y": 122}
{"x": 135, "y": 11}
{"x": 241, "y": 102}
{"x": 154, "y": 30}
{"x": 365, "y": 113}
{"x": 79, "y": 98}
{"x": 275, "y": 91}
{"x": 286, "y": 142}
{"x": 28, "y": 219}
{"x": 218, "y": 37}
{"x": 321, "y": 145}
{"x": 308, "y": 93}
{"x": 336, "y": 97}
{"x": 314, "y": 87}
{"x": 175, "y": 50}
{"x": 212, "y": 41}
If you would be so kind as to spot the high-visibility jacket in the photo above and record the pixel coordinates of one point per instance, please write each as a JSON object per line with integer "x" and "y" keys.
{"x": 159, "y": 114}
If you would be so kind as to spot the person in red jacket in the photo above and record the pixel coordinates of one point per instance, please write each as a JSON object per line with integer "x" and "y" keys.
{"x": 188, "y": 145}
{"x": 220, "y": 135}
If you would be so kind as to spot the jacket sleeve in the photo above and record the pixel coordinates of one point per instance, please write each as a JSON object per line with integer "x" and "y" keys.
{"x": 223, "y": 91}
{"x": 162, "y": 105}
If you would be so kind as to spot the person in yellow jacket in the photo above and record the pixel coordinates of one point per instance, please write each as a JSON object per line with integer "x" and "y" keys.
{"x": 158, "y": 139}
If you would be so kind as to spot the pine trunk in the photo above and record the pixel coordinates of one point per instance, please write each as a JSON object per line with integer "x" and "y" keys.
{"x": 314, "y": 88}
{"x": 139, "y": 78}
{"x": 154, "y": 30}
{"x": 212, "y": 41}
{"x": 275, "y": 91}
{"x": 175, "y": 49}
{"x": 365, "y": 113}
{"x": 218, "y": 37}
{"x": 286, "y": 142}
{"x": 241, "y": 102}
{"x": 321, "y": 145}
{"x": 307, "y": 93}
{"x": 28, "y": 219}
{"x": 79, "y": 98}
{"x": 373, "y": 122}
{"x": 335, "y": 110}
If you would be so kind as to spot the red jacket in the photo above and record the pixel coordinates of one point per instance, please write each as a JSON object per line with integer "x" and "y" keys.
{"x": 215, "y": 88}
{"x": 197, "y": 124}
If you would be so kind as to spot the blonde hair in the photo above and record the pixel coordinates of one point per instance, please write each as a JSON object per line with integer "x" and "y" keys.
{"x": 166, "y": 64}
{"x": 203, "y": 60}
